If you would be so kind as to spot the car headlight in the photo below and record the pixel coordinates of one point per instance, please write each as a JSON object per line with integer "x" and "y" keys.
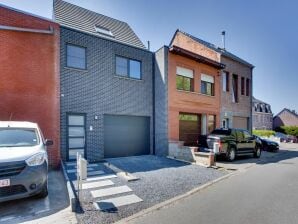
{"x": 36, "y": 160}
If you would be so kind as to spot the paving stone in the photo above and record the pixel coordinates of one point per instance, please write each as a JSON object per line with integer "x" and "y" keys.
{"x": 110, "y": 191}
{"x": 97, "y": 184}
{"x": 103, "y": 177}
{"x": 75, "y": 170}
{"x": 113, "y": 203}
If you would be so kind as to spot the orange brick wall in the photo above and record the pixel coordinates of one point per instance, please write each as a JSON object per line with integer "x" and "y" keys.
{"x": 29, "y": 81}
{"x": 190, "y": 102}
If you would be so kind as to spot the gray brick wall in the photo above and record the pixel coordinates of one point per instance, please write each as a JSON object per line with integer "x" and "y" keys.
{"x": 161, "y": 102}
{"x": 98, "y": 91}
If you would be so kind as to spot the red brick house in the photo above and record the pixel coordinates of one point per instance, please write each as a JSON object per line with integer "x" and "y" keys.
{"x": 29, "y": 81}
{"x": 285, "y": 118}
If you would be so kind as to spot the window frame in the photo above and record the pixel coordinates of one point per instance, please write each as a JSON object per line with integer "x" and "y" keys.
{"x": 66, "y": 55}
{"x": 227, "y": 80}
{"x": 191, "y": 89}
{"x": 212, "y": 88}
{"x": 242, "y": 86}
{"x": 235, "y": 89}
{"x": 128, "y": 75}
{"x": 247, "y": 84}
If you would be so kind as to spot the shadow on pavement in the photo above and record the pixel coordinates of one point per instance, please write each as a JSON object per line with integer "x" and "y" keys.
{"x": 28, "y": 209}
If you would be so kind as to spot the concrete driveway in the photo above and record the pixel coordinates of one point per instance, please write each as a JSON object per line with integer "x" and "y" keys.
{"x": 36, "y": 210}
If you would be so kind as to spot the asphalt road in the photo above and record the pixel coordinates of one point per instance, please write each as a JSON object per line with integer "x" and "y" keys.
{"x": 264, "y": 194}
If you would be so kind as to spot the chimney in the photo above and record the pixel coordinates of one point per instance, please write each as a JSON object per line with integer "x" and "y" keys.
{"x": 148, "y": 44}
{"x": 223, "y": 34}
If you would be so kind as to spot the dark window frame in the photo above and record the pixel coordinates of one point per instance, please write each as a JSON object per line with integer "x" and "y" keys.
{"x": 128, "y": 75}
{"x": 242, "y": 86}
{"x": 247, "y": 87}
{"x": 191, "y": 89}
{"x": 66, "y": 55}
{"x": 212, "y": 88}
{"x": 236, "y": 88}
{"x": 227, "y": 81}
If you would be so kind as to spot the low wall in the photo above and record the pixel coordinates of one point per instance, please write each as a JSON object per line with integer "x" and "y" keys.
{"x": 180, "y": 152}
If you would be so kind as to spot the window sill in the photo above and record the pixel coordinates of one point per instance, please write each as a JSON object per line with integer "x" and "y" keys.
{"x": 185, "y": 91}
{"x": 76, "y": 69}
{"x": 128, "y": 78}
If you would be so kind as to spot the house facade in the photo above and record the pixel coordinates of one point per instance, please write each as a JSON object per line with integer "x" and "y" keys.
{"x": 106, "y": 86}
{"x": 29, "y": 80}
{"x": 187, "y": 93}
{"x": 236, "y": 85}
{"x": 262, "y": 115}
{"x": 286, "y": 117}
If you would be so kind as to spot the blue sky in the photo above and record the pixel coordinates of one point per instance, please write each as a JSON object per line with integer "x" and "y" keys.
{"x": 265, "y": 33}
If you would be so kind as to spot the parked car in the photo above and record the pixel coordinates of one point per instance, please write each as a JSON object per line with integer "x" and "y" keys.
{"x": 267, "y": 144}
{"x": 234, "y": 142}
{"x": 23, "y": 161}
{"x": 283, "y": 137}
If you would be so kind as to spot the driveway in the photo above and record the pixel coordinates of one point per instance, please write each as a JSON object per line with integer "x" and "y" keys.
{"x": 36, "y": 210}
{"x": 108, "y": 198}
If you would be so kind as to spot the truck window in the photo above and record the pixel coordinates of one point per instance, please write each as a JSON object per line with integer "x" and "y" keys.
{"x": 221, "y": 132}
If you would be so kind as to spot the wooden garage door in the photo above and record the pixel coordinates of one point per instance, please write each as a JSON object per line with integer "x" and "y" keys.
{"x": 240, "y": 122}
{"x": 126, "y": 135}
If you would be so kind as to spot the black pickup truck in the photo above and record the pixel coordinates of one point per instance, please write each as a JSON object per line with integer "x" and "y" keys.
{"x": 234, "y": 142}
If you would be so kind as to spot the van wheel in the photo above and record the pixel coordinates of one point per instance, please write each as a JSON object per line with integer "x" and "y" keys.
{"x": 44, "y": 192}
{"x": 258, "y": 152}
{"x": 231, "y": 154}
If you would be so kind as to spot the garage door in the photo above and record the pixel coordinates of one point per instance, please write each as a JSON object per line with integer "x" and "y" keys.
{"x": 240, "y": 122}
{"x": 126, "y": 135}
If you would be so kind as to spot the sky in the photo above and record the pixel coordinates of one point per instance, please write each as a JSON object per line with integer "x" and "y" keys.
{"x": 264, "y": 33}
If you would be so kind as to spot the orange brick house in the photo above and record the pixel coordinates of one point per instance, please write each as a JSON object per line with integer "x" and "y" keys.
{"x": 29, "y": 81}
{"x": 187, "y": 92}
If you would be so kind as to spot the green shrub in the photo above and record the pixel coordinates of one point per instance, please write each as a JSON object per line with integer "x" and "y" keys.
{"x": 289, "y": 130}
{"x": 263, "y": 133}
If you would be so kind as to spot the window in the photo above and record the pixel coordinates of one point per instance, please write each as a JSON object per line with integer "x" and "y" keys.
{"x": 235, "y": 88}
{"x": 242, "y": 86}
{"x": 211, "y": 123}
{"x": 17, "y": 137}
{"x": 102, "y": 30}
{"x": 128, "y": 67}
{"x": 246, "y": 135}
{"x": 75, "y": 56}
{"x": 247, "y": 87}
{"x": 225, "y": 81}
{"x": 207, "y": 85}
{"x": 184, "y": 79}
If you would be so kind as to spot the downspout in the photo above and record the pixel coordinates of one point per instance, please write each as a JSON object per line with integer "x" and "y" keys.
{"x": 153, "y": 100}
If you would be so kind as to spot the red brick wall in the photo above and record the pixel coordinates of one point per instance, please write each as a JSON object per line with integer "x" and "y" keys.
{"x": 29, "y": 81}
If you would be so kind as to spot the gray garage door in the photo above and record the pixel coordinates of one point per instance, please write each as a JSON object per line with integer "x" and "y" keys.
{"x": 126, "y": 135}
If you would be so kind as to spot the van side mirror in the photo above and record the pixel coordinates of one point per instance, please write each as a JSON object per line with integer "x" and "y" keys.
{"x": 49, "y": 142}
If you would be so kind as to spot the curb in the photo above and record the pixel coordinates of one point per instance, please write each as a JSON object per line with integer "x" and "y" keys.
{"x": 72, "y": 196}
{"x": 175, "y": 199}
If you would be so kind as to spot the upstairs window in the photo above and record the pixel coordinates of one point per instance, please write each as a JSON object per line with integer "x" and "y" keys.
{"x": 184, "y": 79}
{"x": 242, "y": 86}
{"x": 207, "y": 84}
{"x": 235, "y": 88}
{"x": 247, "y": 87}
{"x": 225, "y": 81}
{"x": 75, "y": 56}
{"x": 103, "y": 30}
{"x": 128, "y": 68}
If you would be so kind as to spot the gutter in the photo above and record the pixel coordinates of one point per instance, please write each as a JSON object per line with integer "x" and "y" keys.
{"x": 29, "y": 30}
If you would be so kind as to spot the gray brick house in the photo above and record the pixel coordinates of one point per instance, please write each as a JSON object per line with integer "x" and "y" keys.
{"x": 106, "y": 86}
{"x": 262, "y": 115}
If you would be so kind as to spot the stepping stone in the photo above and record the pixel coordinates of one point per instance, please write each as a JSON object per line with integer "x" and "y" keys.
{"x": 110, "y": 191}
{"x": 89, "y": 165}
{"x": 97, "y": 184}
{"x": 113, "y": 203}
{"x": 75, "y": 170}
{"x": 93, "y": 173}
{"x": 103, "y": 177}
{"x": 71, "y": 163}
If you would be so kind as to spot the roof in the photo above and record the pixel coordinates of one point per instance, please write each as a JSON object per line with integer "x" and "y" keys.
{"x": 287, "y": 110}
{"x": 84, "y": 20}
{"x": 255, "y": 100}
{"x": 178, "y": 50}
{"x": 18, "y": 124}
{"x": 223, "y": 52}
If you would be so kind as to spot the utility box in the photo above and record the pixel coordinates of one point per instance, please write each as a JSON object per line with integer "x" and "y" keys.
{"x": 83, "y": 168}
{"x": 216, "y": 148}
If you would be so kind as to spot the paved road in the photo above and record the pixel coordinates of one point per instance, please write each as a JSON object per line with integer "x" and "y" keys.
{"x": 263, "y": 194}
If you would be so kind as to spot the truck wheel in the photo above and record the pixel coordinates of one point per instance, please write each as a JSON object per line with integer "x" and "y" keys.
{"x": 231, "y": 154}
{"x": 44, "y": 192}
{"x": 258, "y": 152}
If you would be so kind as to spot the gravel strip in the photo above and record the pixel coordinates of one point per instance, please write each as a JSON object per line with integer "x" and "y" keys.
{"x": 160, "y": 179}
